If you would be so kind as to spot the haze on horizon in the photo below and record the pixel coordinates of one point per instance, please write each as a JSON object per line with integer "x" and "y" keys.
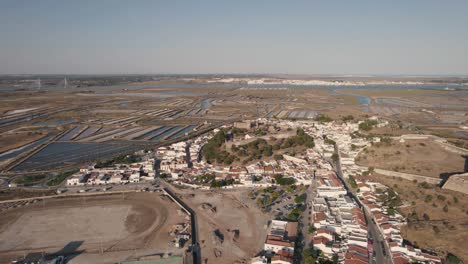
{"x": 292, "y": 37}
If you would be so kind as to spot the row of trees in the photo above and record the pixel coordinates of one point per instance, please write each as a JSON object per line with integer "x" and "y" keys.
{"x": 281, "y": 180}
{"x": 367, "y": 125}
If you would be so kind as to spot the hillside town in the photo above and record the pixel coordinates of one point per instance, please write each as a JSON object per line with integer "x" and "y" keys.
{"x": 339, "y": 220}
{"x": 338, "y": 215}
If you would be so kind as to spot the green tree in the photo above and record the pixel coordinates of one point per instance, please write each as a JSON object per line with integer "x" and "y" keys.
{"x": 367, "y": 125}
{"x": 295, "y": 213}
{"x": 452, "y": 259}
{"x": 335, "y": 157}
{"x": 299, "y": 199}
{"x": 426, "y": 217}
{"x": 309, "y": 256}
{"x": 445, "y": 208}
{"x": 283, "y": 181}
{"x": 323, "y": 118}
{"x": 278, "y": 157}
{"x": 428, "y": 198}
{"x": 312, "y": 229}
{"x": 352, "y": 182}
{"x": 335, "y": 259}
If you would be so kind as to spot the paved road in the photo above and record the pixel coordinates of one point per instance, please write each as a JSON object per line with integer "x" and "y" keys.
{"x": 375, "y": 234}
{"x": 381, "y": 253}
{"x": 307, "y": 218}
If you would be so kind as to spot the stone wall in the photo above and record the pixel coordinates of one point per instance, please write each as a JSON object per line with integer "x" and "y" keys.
{"x": 458, "y": 183}
{"x": 408, "y": 176}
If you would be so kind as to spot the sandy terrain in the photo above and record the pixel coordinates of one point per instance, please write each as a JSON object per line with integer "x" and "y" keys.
{"x": 452, "y": 225}
{"x": 122, "y": 227}
{"x": 421, "y": 157}
{"x": 228, "y": 211}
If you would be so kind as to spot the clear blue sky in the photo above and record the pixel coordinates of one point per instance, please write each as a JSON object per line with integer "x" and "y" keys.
{"x": 304, "y": 37}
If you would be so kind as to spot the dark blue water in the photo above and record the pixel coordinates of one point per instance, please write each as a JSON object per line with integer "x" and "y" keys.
{"x": 206, "y": 103}
{"x": 13, "y": 153}
{"x": 153, "y": 132}
{"x": 88, "y": 132}
{"x": 182, "y": 132}
{"x": 55, "y": 123}
{"x": 362, "y": 99}
{"x": 59, "y": 154}
{"x": 70, "y": 134}
{"x": 168, "y": 132}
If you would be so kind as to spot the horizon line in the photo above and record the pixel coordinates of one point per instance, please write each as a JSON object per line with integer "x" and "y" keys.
{"x": 349, "y": 75}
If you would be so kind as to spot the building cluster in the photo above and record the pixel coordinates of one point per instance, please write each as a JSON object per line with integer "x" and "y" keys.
{"x": 340, "y": 225}
{"x": 389, "y": 223}
{"x": 279, "y": 243}
{"x": 118, "y": 174}
{"x": 182, "y": 161}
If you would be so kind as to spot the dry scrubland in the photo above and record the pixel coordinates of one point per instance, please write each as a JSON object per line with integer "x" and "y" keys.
{"x": 14, "y": 140}
{"x": 227, "y": 212}
{"x": 420, "y": 157}
{"x": 445, "y": 228}
{"x": 11, "y": 194}
{"x": 137, "y": 223}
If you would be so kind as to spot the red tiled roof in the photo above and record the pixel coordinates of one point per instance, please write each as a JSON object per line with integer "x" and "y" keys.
{"x": 319, "y": 216}
{"x": 324, "y": 231}
{"x": 279, "y": 243}
{"x": 320, "y": 240}
{"x": 399, "y": 258}
{"x": 355, "y": 261}
{"x": 282, "y": 258}
{"x": 355, "y": 248}
{"x": 393, "y": 244}
{"x": 363, "y": 185}
{"x": 353, "y": 256}
{"x": 335, "y": 180}
{"x": 429, "y": 256}
{"x": 274, "y": 237}
{"x": 284, "y": 253}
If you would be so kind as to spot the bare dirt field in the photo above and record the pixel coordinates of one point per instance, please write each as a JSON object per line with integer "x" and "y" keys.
{"x": 421, "y": 157}
{"x": 119, "y": 226}
{"x": 229, "y": 212}
{"x": 443, "y": 230}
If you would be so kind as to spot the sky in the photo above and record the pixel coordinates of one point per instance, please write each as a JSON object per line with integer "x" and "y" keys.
{"x": 411, "y": 37}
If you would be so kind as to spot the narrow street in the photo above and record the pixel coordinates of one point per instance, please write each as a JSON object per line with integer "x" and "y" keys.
{"x": 379, "y": 244}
